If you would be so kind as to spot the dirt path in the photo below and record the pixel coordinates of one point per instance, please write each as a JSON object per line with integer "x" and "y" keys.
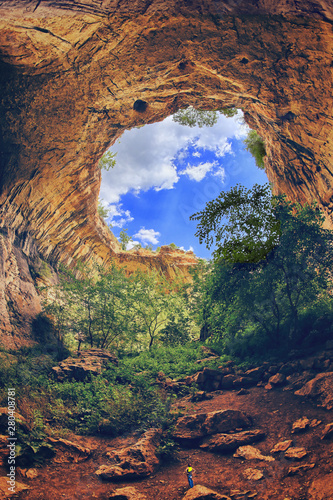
{"x": 272, "y": 411}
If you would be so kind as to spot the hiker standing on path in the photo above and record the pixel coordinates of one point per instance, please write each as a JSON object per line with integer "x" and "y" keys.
{"x": 189, "y": 472}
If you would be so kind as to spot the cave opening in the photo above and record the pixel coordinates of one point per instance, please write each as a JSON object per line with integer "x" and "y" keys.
{"x": 167, "y": 171}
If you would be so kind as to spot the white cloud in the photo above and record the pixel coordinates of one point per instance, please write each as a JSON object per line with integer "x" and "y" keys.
{"x": 198, "y": 172}
{"x": 197, "y": 154}
{"x": 118, "y": 217}
{"x": 147, "y": 236}
{"x": 145, "y": 156}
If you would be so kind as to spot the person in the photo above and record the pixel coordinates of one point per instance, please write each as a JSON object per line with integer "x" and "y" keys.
{"x": 189, "y": 472}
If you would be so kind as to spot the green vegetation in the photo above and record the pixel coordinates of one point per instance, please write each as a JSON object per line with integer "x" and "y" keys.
{"x": 192, "y": 117}
{"x": 271, "y": 271}
{"x": 107, "y": 161}
{"x": 255, "y": 145}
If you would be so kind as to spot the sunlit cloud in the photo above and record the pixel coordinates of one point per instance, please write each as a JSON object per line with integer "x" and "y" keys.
{"x": 199, "y": 172}
{"x": 117, "y": 216}
{"x": 146, "y": 156}
{"x": 147, "y": 236}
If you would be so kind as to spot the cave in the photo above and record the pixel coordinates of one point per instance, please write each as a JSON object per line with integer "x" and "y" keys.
{"x": 75, "y": 75}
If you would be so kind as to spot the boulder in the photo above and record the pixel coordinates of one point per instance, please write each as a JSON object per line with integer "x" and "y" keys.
{"x": 89, "y": 362}
{"x": 281, "y": 446}
{"x": 228, "y": 381}
{"x": 300, "y": 425}
{"x": 253, "y": 474}
{"x": 319, "y": 389}
{"x": 230, "y": 442}
{"x": 128, "y": 493}
{"x": 294, "y": 453}
{"x": 68, "y": 451}
{"x": 255, "y": 373}
{"x": 277, "y": 380}
{"x": 328, "y": 431}
{"x": 199, "y": 492}
{"x": 136, "y": 461}
{"x": 297, "y": 469}
{"x": 199, "y": 425}
{"x": 251, "y": 453}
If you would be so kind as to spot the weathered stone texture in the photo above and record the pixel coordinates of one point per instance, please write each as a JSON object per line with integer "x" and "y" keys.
{"x": 70, "y": 73}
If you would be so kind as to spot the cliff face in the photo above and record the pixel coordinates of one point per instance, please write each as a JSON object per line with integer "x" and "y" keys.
{"x": 73, "y": 74}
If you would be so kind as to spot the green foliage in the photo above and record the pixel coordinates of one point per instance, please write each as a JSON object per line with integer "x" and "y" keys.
{"x": 192, "y": 117}
{"x": 124, "y": 239}
{"x": 107, "y": 161}
{"x": 176, "y": 331}
{"x": 255, "y": 145}
{"x": 241, "y": 222}
{"x": 257, "y": 305}
{"x": 102, "y": 210}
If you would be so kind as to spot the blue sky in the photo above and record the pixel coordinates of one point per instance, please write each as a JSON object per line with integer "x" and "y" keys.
{"x": 165, "y": 172}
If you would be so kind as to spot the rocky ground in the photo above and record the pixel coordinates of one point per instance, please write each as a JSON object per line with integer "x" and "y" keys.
{"x": 263, "y": 442}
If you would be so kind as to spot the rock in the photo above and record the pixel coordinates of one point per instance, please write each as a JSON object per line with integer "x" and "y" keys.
{"x": 277, "y": 380}
{"x": 255, "y": 373}
{"x": 19, "y": 420}
{"x": 68, "y": 451}
{"x": 251, "y": 453}
{"x": 200, "y": 425}
{"x": 314, "y": 423}
{"x": 230, "y": 442}
{"x": 320, "y": 389}
{"x": 89, "y": 362}
{"x": 38, "y": 177}
{"x": 199, "y": 492}
{"x": 300, "y": 425}
{"x": 128, "y": 493}
{"x": 297, "y": 469}
{"x": 282, "y": 446}
{"x": 135, "y": 461}
{"x": 228, "y": 381}
{"x": 4, "y": 450}
{"x": 253, "y": 474}
{"x": 328, "y": 431}
{"x": 200, "y": 396}
{"x": 294, "y": 453}
{"x": 6, "y": 493}
{"x": 321, "y": 488}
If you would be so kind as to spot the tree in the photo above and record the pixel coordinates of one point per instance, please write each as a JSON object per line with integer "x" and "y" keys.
{"x": 102, "y": 210}
{"x": 107, "y": 161}
{"x": 255, "y": 145}
{"x": 241, "y": 223}
{"x": 155, "y": 300}
{"x": 95, "y": 303}
{"x": 192, "y": 117}
{"x": 124, "y": 239}
{"x": 275, "y": 260}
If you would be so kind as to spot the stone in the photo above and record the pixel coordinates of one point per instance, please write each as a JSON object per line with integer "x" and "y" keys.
{"x": 321, "y": 488}
{"x": 68, "y": 451}
{"x": 297, "y": 469}
{"x": 277, "y": 380}
{"x": 127, "y": 493}
{"x": 328, "y": 431}
{"x": 89, "y": 362}
{"x": 301, "y": 425}
{"x": 295, "y": 453}
{"x": 253, "y": 474}
{"x": 228, "y": 381}
{"x": 199, "y": 425}
{"x": 135, "y": 461}
{"x": 199, "y": 492}
{"x": 38, "y": 177}
{"x": 281, "y": 446}
{"x": 319, "y": 389}
{"x": 251, "y": 453}
{"x": 6, "y": 493}
{"x": 230, "y": 442}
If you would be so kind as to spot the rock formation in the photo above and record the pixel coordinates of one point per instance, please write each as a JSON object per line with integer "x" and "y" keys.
{"x": 75, "y": 75}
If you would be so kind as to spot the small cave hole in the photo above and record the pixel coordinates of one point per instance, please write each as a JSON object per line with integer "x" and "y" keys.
{"x": 140, "y": 106}
{"x": 244, "y": 60}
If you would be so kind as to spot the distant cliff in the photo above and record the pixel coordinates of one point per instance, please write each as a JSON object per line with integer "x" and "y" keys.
{"x": 75, "y": 75}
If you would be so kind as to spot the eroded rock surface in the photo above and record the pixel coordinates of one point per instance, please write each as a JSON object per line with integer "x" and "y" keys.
{"x": 73, "y": 73}
{"x": 89, "y": 362}
{"x": 135, "y": 461}
{"x": 199, "y": 425}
